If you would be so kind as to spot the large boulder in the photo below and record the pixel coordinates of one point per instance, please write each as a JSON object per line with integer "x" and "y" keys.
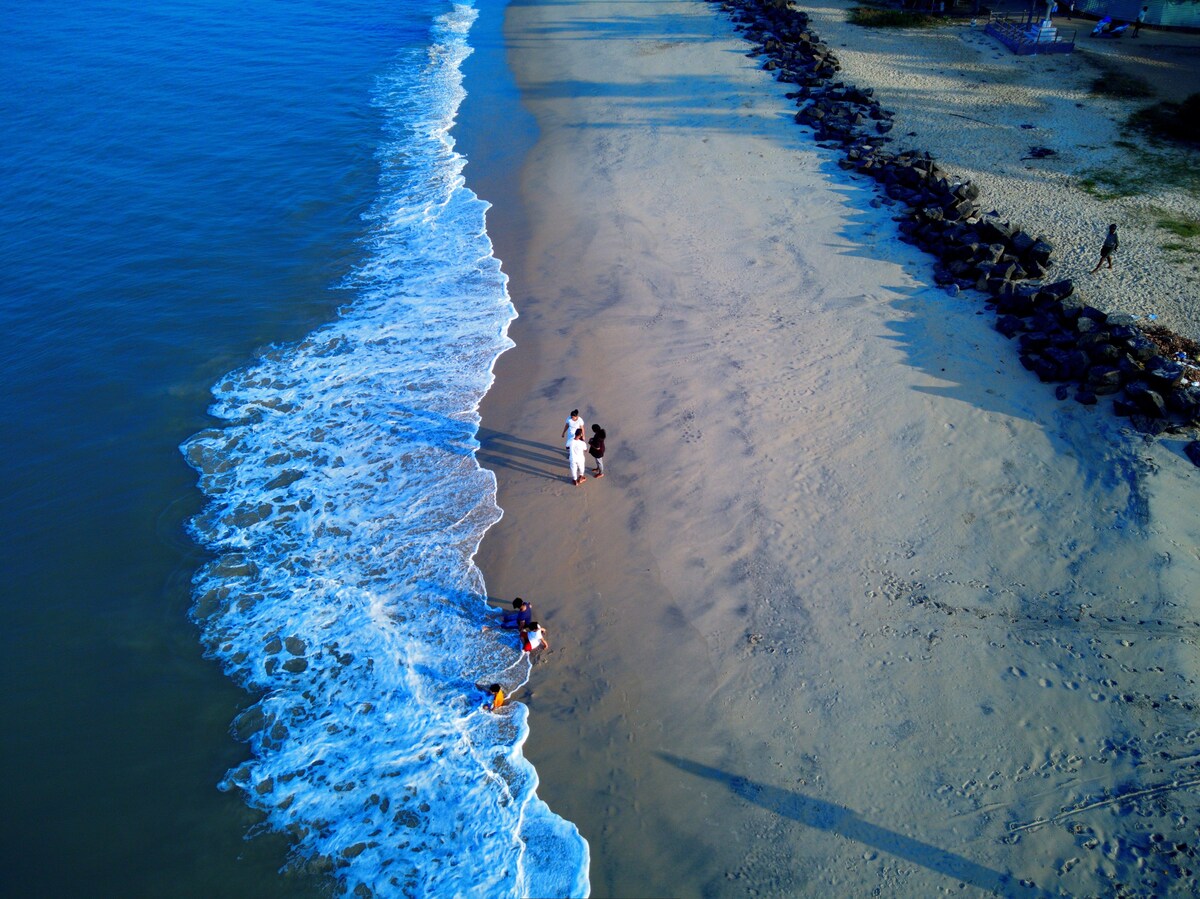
{"x": 1147, "y": 401}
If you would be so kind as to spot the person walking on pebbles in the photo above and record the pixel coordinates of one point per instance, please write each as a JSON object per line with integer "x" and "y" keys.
{"x": 596, "y": 449}
{"x": 1107, "y": 248}
{"x": 575, "y": 450}
{"x": 1140, "y": 20}
{"x": 574, "y": 423}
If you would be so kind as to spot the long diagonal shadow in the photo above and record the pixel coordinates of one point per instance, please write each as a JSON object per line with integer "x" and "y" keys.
{"x": 500, "y": 450}
{"x": 840, "y": 820}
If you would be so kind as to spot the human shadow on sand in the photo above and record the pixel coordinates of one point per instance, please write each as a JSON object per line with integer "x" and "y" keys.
{"x": 498, "y": 449}
{"x": 822, "y": 815}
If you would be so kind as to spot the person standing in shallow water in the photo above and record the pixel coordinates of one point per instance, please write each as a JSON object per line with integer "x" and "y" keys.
{"x": 596, "y": 449}
{"x": 575, "y": 450}
{"x": 1108, "y": 248}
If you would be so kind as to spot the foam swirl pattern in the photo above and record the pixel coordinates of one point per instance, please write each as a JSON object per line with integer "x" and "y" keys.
{"x": 345, "y": 505}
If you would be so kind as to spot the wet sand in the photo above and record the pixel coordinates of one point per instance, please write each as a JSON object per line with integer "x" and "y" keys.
{"x": 859, "y": 605}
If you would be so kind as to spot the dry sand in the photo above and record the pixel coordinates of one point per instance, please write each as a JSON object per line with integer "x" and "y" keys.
{"x": 859, "y": 607}
{"x": 979, "y": 109}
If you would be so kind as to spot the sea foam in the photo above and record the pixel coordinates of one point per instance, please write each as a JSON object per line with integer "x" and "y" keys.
{"x": 345, "y": 505}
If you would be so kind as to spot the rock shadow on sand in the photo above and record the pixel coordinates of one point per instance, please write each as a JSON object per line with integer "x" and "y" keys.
{"x": 828, "y": 816}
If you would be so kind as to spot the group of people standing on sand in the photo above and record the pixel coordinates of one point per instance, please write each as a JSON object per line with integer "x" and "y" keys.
{"x": 573, "y": 431}
{"x": 533, "y": 637}
{"x": 532, "y": 634}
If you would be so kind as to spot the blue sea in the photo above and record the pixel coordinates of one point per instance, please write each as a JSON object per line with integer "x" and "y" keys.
{"x": 250, "y": 307}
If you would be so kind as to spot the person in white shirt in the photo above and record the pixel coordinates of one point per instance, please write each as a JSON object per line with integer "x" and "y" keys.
{"x": 575, "y": 450}
{"x": 574, "y": 423}
{"x": 535, "y": 638}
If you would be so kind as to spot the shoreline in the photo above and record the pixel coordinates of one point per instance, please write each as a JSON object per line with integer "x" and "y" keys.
{"x": 822, "y": 626}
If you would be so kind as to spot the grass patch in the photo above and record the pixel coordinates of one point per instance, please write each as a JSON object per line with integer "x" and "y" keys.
{"x": 1181, "y": 227}
{"x": 1112, "y": 184}
{"x": 1122, "y": 85}
{"x": 1146, "y": 169}
{"x": 1175, "y": 122}
{"x": 1184, "y": 228}
{"x": 873, "y": 17}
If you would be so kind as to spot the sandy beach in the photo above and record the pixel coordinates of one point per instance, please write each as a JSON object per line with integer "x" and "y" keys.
{"x": 980, "y": 110}
{"x": 859, "y": 608}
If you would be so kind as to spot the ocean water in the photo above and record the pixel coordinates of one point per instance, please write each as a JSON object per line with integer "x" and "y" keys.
{"x": 237, "y": 244}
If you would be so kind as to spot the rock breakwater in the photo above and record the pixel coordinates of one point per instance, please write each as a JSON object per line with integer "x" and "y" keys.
{"x": 1150, "y": 374}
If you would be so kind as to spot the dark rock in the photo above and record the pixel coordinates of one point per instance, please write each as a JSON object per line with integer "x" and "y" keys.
{"x": 1020, "y": 302}
{"x": 1070, "y": 308}
{"x": 1046, "y": 369}
{"x": 1104, "y": 380}
{"x": 1061, "y": 392}
{"x": 1164, "y": 375}
{"x": 1104, "y": 352}
{"x": 1034, "y": 341}
{"x": 1059, "y": 290}
{"x": 993, "y": 231}
{"x": 1185, "y": 403}
{"x": 1085, "y": 397}
{"x": 1192, "y": 451}
{"x": 1141, "y": 348}
{"x": 1039, "y": 252}
{"x": 295, "y": 645}
{"x": 1009, "y": 325}
{"x": 967, "y": 191}
{"x": 1072, "y": 364}
{"x": 1021, "y": 243}
{"x": 1129, "y": 366}
{"x": 1003, "y": 270}
{"x": 1149, "y": 425}
{"x": 1148, "y": 402}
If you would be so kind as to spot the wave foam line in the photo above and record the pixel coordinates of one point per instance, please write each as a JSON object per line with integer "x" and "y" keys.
{"x": 345, "y": 506}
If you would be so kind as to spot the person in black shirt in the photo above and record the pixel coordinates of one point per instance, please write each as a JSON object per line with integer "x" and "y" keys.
{"x": 1107, "y": 249}
{"x": 596, "y": 450}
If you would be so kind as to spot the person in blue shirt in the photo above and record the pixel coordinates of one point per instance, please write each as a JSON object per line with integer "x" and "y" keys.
{"x": 516, "y": 620}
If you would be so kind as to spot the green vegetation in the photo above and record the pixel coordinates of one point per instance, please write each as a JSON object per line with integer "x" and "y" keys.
{"x": 1145, "y": 171}
{"x": 1116, "y": 82}
{"x": 1176, "y": 122}
{"x": 874, "y": 17}
{"x": 1187, "y": 228}
{"x": 1111, "y": 184}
